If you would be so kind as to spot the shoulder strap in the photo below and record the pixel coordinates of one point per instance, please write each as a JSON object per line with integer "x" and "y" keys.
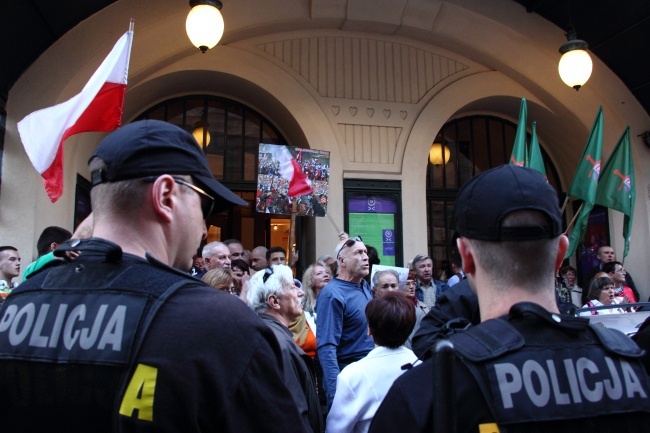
{"x": 616, "y": 342}
{"x": 490, "y": 340}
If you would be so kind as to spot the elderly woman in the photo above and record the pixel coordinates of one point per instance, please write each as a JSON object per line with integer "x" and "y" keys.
{"x": 273, "y": 295}
{"x": 601, "y": 292}
{"x": 362, "y": 385}
{"x": 384, "y": 282}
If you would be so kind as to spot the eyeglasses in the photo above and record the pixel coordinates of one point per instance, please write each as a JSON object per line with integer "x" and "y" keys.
{"x": 349, "y": 243}
{"x": 207, "y": 201}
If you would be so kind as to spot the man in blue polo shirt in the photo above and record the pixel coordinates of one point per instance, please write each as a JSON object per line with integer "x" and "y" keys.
{"x": 340, "y": 314}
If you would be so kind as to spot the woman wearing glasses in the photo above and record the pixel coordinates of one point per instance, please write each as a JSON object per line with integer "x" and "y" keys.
{"x": 421, "y": 309}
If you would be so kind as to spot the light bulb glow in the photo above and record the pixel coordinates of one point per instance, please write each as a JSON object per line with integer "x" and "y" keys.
{"x": 198, "y": 136}
{"x": 436, "y": 154}
{"x": 204, "y": 26}
{"x": 575, "y": 68}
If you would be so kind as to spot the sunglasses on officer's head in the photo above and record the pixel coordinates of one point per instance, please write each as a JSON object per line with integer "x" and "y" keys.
{"x": 348, "y": 244}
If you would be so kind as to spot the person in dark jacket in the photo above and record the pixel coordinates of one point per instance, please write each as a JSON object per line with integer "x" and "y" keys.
{"x": 455, "y": 310}
{"x": 273, "y": 295}
{"x": 122, "y": 339}
{"x": 525, "y": 367}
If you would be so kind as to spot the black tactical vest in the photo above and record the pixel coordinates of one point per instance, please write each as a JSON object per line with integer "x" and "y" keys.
{"x": 70, "y": 334}
{"x": 544, "y": 372}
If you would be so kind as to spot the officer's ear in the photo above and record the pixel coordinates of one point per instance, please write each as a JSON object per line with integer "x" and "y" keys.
{"x": 163, "y": 200}
{"x": 466, "y": 255}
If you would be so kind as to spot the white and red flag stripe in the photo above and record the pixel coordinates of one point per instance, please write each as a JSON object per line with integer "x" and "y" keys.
{"x": 299, "y": 183}
{"x": 97, "y": 108}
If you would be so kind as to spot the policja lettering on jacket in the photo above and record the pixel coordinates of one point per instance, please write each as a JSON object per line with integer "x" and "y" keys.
{"x": 563, "y": 379}
{"x": 80, "y": 329}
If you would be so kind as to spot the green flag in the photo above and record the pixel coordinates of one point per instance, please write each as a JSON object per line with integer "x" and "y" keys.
{"x": 536, "y": 161}
{"x": 519, "y": 154}
{"x": 585, "y": 181}
{"x": 616, "y": 189}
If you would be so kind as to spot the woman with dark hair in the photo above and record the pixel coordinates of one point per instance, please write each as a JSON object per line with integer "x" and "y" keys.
{"x": 601, "y": 292}
{"x": 362, "y": 385}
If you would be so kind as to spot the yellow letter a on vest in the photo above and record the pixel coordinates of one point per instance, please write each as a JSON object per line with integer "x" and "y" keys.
{"x": 139, "y": 394}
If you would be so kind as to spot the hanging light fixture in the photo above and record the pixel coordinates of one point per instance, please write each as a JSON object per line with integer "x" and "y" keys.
{"x": 204, "y": 24}
{"x": 201, "y": 133}
{"x": 575, "y": 65}
{"x": 439, "y": 153}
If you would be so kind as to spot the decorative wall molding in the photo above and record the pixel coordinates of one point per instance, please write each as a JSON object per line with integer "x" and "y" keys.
{"x": 362, "y": 68}
{"x": 370, "y": 143}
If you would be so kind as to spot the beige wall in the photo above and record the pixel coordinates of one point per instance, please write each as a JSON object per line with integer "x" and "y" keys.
{"x": 370, "y": 81}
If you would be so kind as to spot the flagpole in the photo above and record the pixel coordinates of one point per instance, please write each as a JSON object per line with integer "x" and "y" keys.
{"x": 566, "y": 201}
{"x": 292, "y": 230}
{"x": 575, "y": 216}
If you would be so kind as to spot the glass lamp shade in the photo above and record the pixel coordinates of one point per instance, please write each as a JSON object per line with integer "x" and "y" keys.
{"x": 575, "y": 68}
{"x": 436, "y": 154}
{"x": 198, "y": 136}
{"x": 204, "y": 26}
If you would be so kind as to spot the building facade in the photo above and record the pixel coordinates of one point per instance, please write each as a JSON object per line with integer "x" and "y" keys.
{"x": 372, "y": 82}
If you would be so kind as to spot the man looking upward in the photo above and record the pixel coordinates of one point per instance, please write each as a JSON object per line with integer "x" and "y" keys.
{"x": 340, "y": 314}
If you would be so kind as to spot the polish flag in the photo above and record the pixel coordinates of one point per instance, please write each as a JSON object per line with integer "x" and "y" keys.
{"x": 97, "y": 108}
{"x": 299, "y": 184}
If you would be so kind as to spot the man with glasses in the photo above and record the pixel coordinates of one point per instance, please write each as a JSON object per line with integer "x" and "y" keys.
{"x": 340, "y": 314}
{"x": 122, "y": 338}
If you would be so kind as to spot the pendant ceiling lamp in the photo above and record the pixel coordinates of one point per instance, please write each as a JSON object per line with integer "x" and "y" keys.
{"x": 575, "y": 65}
{"x": 204, "y": 24}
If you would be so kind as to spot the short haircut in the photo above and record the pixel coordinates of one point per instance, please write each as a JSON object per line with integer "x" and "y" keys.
{"x": 391, "y": 319}
{"x": 259, "y": 290}
{"x": 597, "y": 286}
{"x": 419, "y": 258}
{"x": 209, "y": 248}
{"x": 378, "y": 274}
{"x": 275, "y": 250}
{"x": 610, "y": 267}
{"x": 51, "y": 234}
{"x": 227, "y": 242}
{"x": 525, "y": 264}
{"x": 220, "y": 279}
{"x": 7, "y": 248}
{"x": 116, "y": 198}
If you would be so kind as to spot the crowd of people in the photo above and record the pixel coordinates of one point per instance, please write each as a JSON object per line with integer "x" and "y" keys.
{"x": 110, "y": 331}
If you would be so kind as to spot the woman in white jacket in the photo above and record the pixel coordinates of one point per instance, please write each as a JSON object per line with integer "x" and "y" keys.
{"x": 362, "y": 385}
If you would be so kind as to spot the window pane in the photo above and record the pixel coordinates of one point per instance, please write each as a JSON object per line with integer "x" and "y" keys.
{"x": 234, "y": 145}
{"x": 251, "y": 145}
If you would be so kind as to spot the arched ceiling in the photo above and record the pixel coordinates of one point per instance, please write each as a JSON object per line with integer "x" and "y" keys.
{"x": 617, "y": 32}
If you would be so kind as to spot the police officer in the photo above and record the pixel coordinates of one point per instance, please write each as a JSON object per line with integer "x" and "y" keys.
{"x": 122, "y": 338}
{"x": 525, "y": 367}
